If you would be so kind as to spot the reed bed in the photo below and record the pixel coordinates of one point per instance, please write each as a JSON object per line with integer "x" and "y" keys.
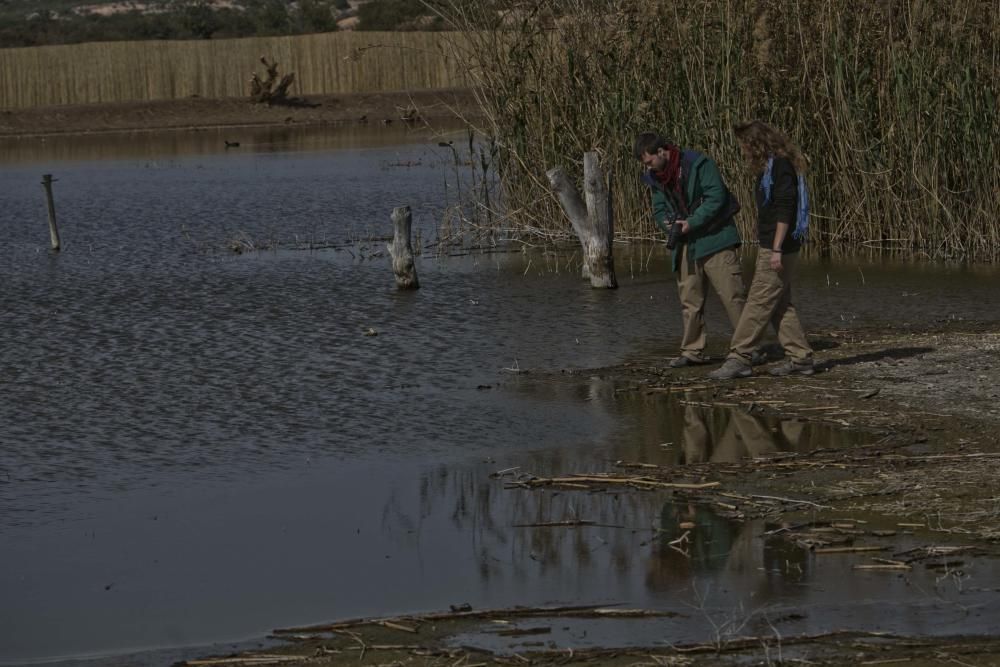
{"x": 894, "y": 104}
{"x": 340, "y": 62}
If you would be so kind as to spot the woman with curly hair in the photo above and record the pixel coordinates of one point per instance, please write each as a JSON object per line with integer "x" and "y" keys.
{"x": 782, "y": 222}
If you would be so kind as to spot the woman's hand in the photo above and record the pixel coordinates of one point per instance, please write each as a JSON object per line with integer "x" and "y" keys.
{"x": 775, "y": 261}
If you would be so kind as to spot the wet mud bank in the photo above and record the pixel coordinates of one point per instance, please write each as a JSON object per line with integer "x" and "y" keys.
{"x": 873, "y": 484}
{"x": 197, "y": 113}
{"x": 428, "y": 641}
{"x": 928, "y": 402}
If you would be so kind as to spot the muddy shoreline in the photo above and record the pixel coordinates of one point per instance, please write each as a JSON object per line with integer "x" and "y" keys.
{"x": 197, "y": 113}
{"x": 930, "y": 474}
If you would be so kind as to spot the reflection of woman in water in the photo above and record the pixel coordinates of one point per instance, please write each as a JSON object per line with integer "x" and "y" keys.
{"x": 696, "y": 443}
{"x": 745, "y": 436}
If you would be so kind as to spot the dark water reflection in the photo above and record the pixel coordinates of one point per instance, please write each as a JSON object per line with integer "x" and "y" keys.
{"x": 199, "y": 446}
{"x": 680, "y": 428}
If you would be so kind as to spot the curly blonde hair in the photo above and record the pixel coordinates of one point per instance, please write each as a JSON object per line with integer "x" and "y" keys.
{"x": 760, "y": 141}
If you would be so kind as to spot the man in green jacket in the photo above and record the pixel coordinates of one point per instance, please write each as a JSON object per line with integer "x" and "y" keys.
{"x": 688, "y": 192}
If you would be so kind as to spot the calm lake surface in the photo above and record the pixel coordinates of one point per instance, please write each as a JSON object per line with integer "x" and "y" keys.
{"x": 197, "y": 445}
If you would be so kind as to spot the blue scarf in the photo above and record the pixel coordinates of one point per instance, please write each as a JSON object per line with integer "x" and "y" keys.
{"x": 802, "y": 216}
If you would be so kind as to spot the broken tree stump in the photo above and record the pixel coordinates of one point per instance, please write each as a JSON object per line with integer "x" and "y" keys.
{"x": 47, "y": 181}
{"x": 401, "y": 250}
{"x": 592, "y": 221}
{"x": 265, "y": 91}
{"x": 572, "y": 205}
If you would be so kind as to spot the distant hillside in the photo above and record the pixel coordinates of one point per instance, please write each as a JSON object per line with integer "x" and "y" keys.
{"x": 48, "y": 22}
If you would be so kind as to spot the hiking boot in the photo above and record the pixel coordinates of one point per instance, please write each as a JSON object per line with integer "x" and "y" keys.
{"x": 684, "y": 362}
{"x": 793, "y": 368}
{"x": 733, "y": 368}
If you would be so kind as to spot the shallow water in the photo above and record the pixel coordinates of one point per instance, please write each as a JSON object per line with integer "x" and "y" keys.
{"x": 198, "y": 446}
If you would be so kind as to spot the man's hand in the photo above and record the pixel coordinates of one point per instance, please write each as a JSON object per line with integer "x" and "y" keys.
{"x": 775, "y": 261}
{"x": 684, "y": 226}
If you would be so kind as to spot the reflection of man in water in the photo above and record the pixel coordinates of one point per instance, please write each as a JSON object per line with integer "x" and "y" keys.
{"x": 744, "y": 436}
{"x": 704, "y": 550}
{"x": 696, "y": 543}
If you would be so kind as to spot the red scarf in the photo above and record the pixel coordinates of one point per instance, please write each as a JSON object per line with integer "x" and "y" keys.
{"x": 670, "y": 177}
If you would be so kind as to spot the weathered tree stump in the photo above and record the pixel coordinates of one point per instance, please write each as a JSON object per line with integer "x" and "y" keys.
{"x": 593, "y": 222}
{"x": 264, "y": 90}
{"x": 47, "y": 181}
{"x": 401, "y": 250}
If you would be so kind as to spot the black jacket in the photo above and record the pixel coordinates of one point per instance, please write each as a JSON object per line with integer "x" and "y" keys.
{"x": 783, "y": 206}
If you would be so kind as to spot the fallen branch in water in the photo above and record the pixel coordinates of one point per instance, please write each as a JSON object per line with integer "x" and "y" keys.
{"x": 565, "y": 524}
{"x": 792, "y": 500}
{"x": 258, "y": 659}
{"x": 575, "y": 611}
{"x": 847, "y": 550}
{"x": 884, "y": 564}
{"x": 611, "y": 480}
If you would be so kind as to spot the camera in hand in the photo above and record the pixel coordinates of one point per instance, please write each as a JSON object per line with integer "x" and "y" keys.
{"x": 673, "y": 235}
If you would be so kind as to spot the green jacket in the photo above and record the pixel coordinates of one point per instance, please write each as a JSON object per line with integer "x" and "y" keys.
{"x": 709, "y": 200}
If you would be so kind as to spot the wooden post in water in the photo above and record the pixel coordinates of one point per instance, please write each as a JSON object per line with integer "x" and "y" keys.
{"x": 592, "y": 222}
{"x": 401, "y": 250}
{"x": 597, "y": 193}
{"x": 53, "y": 229}
{"x": 572, "y": 205}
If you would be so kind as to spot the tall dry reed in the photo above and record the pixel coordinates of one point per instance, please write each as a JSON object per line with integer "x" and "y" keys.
{"x": 340, "y": 62}
{"x": 894, "y": 103}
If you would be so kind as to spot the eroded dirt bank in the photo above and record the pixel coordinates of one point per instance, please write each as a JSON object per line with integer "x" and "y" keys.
{"x": 930, "y": 473}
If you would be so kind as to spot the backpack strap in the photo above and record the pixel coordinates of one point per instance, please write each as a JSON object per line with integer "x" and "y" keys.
{"x": 767, "y": 180}
{"x": 802, "y": 215}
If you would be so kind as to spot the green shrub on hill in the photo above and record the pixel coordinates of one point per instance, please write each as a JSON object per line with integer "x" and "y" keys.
{"x": 397, "y": 15}
{"x": 57, "y": 22}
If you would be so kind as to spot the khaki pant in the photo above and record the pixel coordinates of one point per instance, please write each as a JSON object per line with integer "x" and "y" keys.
{"x": 770, "y": 302}
{"x": 745, "y": 437}
{"x": 722, "y": 270}
{"x": 697, "y": 442}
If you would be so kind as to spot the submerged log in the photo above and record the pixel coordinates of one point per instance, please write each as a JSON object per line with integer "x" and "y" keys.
{"x": 401, "y": 250}
{"x": 593, "y": 222}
